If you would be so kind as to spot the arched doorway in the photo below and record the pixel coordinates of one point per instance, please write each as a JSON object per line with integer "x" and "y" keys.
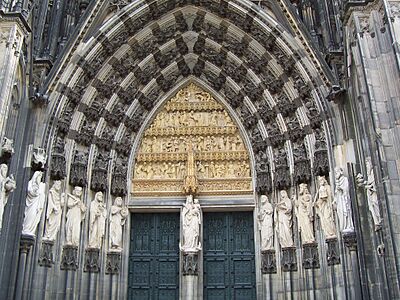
{"x": 192, "y": 146}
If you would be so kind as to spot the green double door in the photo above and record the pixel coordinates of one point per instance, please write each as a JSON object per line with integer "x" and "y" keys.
{"x": 228, "y": 256}
{"x": 154, "y": 257}
{"x": 228, "y": 260}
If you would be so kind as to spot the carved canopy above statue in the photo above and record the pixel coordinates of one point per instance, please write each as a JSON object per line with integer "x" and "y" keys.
{"x": 192, "y": 125}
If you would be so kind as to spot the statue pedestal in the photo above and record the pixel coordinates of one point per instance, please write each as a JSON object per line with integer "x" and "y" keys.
{"x": 92, "y": 260}
{"x": 113, "y": 262}
{"x": 310, "y": 256}
{"x": 289, "y": 261}
{"x": 46, "y": 254}
{"x": 190, "y": 272}
{"x": 268, "y": 262}
{"x": 332, "y": 253}
{"x": 69, "y": 258}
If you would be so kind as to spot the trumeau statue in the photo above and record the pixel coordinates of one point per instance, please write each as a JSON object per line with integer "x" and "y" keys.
{"x": 75, "y": 215}
{"x": 304, "y": 213}
{"x": 372, "y": 196}
{"x": 191, "y": 221}
{"x": 97, "y": 221}
{"x": 34, "y": 204}
{"x": 323, "y": 207}
{"x": 342, "y": 201}
{"x": 284, "y": 220}
{"x": 7, "y": 185}
{"x": 118, "y": 217}
{"x": 55, "y": 204}
{"x": 265, "y": 220}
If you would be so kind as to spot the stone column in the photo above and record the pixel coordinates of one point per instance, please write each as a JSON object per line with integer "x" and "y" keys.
{"x": 190, "y": 272}
{"x": 350, "y": 240}
{"x": 11, "y": 39}
{"x": 26, "y": 243}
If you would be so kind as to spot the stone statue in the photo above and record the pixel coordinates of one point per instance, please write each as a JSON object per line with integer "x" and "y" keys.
{"x": 372, "y": 196}
{"x": 304, "y": 213}
{"x": 34, "y": 204}
{"x": 118, "y": 216}
{"x": 97, "y": 221}
{"x": 266, "y": 224}
{"x": 323, "y": 207}
{"x": 7, "y": 185}
{"x": 55, "y": 204}
{"x": 190, "y": 181}
{"x": 283, "y": 220}
{"x": 191, "y": 221}
{"x": 75, "y": 215}
{"x": 342, "y": 202}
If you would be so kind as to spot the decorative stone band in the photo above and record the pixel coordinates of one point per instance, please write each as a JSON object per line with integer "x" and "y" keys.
{"x": 192, "y": 130}
{"x": 209, "y": 156}
{"x": 172, "y": 187}
{"x": 196, "y": 106}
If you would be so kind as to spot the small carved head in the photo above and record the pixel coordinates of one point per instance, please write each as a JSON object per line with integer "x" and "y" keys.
{"x": 338, "y": 172}
{"x": 99, "y": 196}
{"x": 77, "y": 191}
{"x": 118, "y": 201}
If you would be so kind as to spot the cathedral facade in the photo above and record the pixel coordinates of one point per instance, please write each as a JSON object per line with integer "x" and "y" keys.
{"x": 199, "y": 149}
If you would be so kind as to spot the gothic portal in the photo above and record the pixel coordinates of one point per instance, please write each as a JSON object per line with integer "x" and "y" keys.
{"x": 199, "y": 149}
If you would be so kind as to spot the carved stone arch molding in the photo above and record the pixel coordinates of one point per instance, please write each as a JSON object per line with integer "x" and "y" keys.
{"x": 271, "y": 79}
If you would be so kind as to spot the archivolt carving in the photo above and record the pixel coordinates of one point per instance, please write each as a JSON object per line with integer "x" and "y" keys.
{"x": 192, "y": 119}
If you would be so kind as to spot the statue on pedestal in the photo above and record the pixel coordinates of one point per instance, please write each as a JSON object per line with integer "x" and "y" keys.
{"x": 97, "y": 221}
{"x": 323, "y": 207}
{"x": 372, "y": 196}
{"x": 191, "y": 222}
{"x": 75, "y": 215}
{"x": 34, "y": 204}
{"x": 284, "y": 220}
{"x": 55, "y": 203}
{"x": 265, "y": 220}
{"x": 342, "y": 201}
{"x": 7, "y": 185}
{"x": 118, "y": 217}
{"x": 304, "y": 213}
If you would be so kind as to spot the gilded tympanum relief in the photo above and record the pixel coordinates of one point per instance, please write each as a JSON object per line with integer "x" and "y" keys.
{"x": 192, "y": 146}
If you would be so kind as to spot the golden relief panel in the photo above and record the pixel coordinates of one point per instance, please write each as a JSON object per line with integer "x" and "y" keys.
{"x": 192, "y": 147}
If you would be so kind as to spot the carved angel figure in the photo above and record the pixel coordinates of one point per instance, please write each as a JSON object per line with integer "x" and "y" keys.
{"x": 7, "y": 185}
{"x": 55, "y": 203}
{"x": 34, "y": 204}
{"x": 265, "y": 220}
{"x": 118, "y": 215}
